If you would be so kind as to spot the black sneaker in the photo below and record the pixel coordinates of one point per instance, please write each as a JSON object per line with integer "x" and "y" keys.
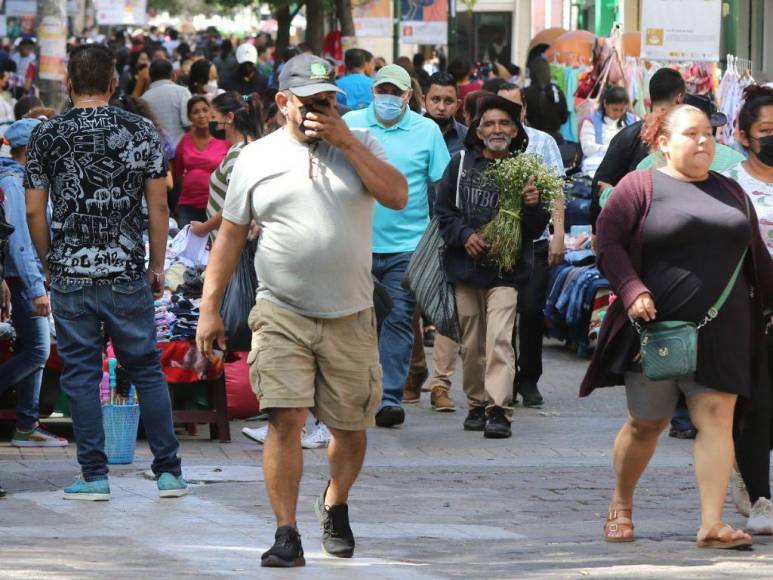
{"x": 497, "y": 426}
{"x": 337, "y": 536}
{"x": 286, "y": 552}
{"x": 531, "y": 395}
{"x": 390, "y": 417}
{"x": 2, "y": 491}
{"x": 476, "y": 419}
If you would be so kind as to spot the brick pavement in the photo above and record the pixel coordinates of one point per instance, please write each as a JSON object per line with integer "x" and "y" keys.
{"x": 432, "y": 502}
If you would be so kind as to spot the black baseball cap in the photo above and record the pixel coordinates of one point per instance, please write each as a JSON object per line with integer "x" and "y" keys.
{"x": 306, "y": 75}
{"x": 705, "y": 104}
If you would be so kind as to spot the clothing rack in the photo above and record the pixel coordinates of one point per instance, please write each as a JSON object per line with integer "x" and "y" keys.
{"x": 738, "y": 64}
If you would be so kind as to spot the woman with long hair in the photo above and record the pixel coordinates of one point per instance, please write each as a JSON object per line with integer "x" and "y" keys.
{"x": 239, "y": 121}
{"x": 751, "y": 489}
{"x": 203, "y": 79}
{"x": 654, "y": 236}
{"x": 132, "y": 80}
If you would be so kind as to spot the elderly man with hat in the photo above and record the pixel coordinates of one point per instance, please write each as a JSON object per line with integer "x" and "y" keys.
{"x": 29, "y": 298}
{"x": 486, "y": 298}
{"x": 311, "y": 188}
{"x": 415, "y": 146}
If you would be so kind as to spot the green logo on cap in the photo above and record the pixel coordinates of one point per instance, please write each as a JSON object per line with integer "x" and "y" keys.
{"x": 318, "y": 72}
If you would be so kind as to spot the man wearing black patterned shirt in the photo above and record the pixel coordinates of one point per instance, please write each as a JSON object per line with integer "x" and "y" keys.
{"x": 97, "y": 163}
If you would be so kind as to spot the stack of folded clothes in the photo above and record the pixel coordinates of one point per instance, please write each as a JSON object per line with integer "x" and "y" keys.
{"x": 164, "y": 319}
{"x": 185, "y": 306}
{"x": 186, "y": 313}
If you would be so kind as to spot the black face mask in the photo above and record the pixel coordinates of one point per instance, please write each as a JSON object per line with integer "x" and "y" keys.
{"x": 215, "y": 131}
{"x": 247, "y": 70}
{"x": 766, "y": 150}
{"x": 442, "y": 123}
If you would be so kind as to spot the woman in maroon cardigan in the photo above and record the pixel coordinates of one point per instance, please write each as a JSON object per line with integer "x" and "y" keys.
{"x": 669, "y": 241}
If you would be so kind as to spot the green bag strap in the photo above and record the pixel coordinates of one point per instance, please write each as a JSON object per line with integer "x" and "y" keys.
{"x": 714, "y": 310}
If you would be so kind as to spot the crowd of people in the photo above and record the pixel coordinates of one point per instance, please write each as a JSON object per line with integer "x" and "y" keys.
{"x": 340, "y": 180}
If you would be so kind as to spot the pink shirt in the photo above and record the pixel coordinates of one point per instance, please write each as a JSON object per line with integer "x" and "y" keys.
{"x": 195, "y": 167}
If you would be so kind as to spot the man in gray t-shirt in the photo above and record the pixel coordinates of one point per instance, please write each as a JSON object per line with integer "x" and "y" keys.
{"x": 311, "y": 188}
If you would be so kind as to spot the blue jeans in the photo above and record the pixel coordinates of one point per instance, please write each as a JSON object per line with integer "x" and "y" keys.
{"x": 681, "y": 417}
{"x": 127, "y": 312}
{"x": 395, "y": 340}
{"x": 25, "y": 370}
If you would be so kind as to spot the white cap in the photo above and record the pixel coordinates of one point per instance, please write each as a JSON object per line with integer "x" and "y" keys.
{"x": 247, "y": 53}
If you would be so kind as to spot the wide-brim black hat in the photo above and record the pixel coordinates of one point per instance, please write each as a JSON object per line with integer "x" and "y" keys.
{"x": 705, "y": 104}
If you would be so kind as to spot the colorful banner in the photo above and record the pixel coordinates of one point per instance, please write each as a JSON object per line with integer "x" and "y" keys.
{"x": 372, "y": 18}
{"x": 424, "y": 22}
{"x": 681, "y": 30}
{"x": 21, "y": 8}
{"x": 122, "y": 12}
{"x": 16, "y": 26}
{"x": 52, "y": 38}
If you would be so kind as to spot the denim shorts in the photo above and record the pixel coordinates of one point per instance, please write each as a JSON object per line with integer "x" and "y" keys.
{"x": 651, "y": 400}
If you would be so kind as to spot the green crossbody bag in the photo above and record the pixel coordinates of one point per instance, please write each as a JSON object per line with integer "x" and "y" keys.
{"x": 669, "y": 349}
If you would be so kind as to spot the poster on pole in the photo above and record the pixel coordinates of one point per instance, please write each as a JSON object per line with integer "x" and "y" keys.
{"x": 424, "y": 22}
{"x": 52, "y": 39}
{"x": 122, "y": 12}
{"x": 372, "y": 18}
{"x": 681, "y": 29}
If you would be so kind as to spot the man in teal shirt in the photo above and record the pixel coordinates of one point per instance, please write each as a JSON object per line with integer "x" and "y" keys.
{"x": 415, "y": 146}
{"x": 357, "y": 83}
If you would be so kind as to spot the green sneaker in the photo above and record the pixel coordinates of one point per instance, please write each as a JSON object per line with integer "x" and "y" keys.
{"x": 37, "y": 437}
{"x": 171, "y": 486}
{"x": 97, "y": 490}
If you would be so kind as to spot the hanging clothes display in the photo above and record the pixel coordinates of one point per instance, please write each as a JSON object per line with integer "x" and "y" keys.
{"x": 634, "y": 81}
{"x": 566, "y": 77}
{"x": 730, "y": 96}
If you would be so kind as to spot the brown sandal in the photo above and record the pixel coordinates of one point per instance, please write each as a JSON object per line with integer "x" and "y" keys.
{"x": 714, "y": 539}
{"x": 616, "y": 524}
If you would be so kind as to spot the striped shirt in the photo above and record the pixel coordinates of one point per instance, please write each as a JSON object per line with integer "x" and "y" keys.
{"x": 218, "y": 181}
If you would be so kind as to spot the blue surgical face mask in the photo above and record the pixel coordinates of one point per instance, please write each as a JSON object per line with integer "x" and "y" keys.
{"x": 388, "y": 107}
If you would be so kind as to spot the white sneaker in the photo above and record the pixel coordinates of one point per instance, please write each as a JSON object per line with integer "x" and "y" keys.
{"x": 740, "y": 495}
{"x": 258, "y": 435}
{"x": 318, "y": 439}
{"x": 761, "y": 517}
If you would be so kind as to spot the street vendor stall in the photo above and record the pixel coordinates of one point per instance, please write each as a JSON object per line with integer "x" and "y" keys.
{"x": 176, "y": 318}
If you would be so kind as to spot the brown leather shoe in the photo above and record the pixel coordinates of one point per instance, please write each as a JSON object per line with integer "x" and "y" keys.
{"x": 441, "y": 401}
{"x": 412, "y": 388}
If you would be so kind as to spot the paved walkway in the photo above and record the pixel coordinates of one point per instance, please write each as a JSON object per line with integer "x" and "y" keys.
{"x": 433, "y": 502}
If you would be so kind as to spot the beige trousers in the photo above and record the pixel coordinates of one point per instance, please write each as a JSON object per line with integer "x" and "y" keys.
{"x": 487, "y": 318}
{"x": 444, "y": 354}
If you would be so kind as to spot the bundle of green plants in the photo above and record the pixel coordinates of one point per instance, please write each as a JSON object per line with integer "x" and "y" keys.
{"x": 511, "y": 175}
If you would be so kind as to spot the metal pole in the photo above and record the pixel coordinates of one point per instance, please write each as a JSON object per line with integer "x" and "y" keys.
{"x": 52, "y": 15}
{"x": 451, "y": 30}
{"x": 396, "y": 33}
